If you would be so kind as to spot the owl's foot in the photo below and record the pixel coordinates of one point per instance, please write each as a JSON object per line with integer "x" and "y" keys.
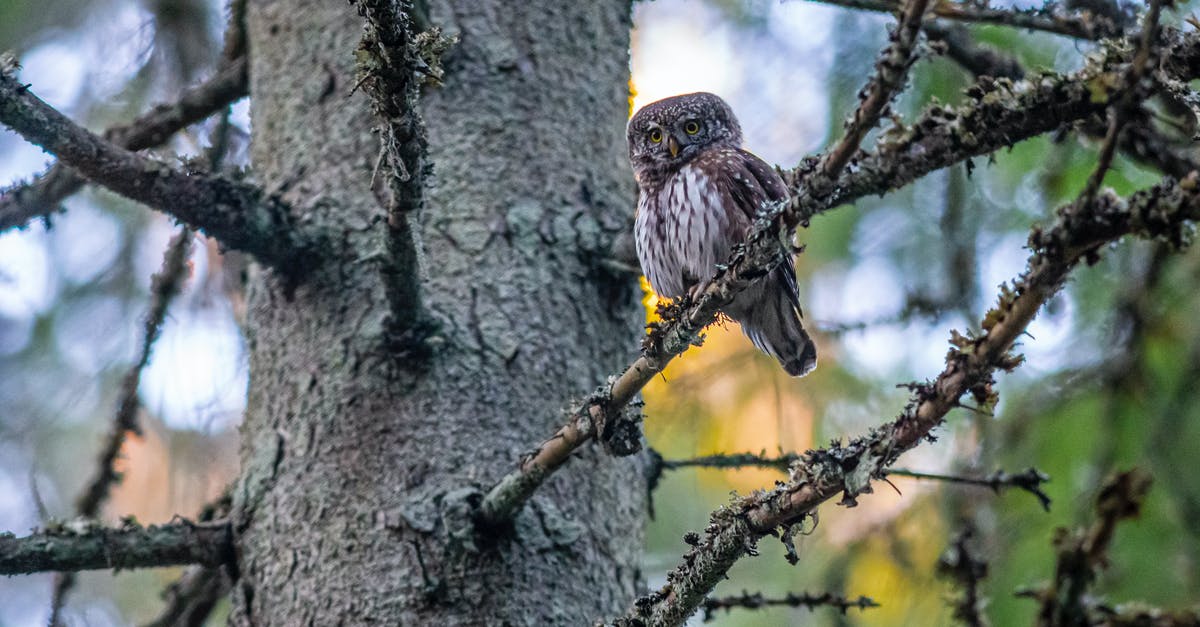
{"x": 697, "y": 290}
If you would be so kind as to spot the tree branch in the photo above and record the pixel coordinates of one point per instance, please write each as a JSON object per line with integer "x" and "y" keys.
{"x": 1086, "y": 26}
{"x": 24, "y": 202}
{"x": 1162, "y": 211}
{"x": 1128, "y": 101}
{"x": 165, "y": 286}
{"x": 976, "y": 59}
{"x": 758, "y": 601}
{"x": 1029, "y": 480}
{"x": 237, "y": 214}
{"x": 91, "y": 547}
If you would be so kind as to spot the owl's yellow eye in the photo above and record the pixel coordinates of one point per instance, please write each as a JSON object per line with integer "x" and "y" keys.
{"x": 656, "y": 136}
{"x": 691, "y": 128}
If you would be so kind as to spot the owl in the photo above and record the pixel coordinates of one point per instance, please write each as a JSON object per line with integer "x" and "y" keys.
{"x": 699, "y": 192}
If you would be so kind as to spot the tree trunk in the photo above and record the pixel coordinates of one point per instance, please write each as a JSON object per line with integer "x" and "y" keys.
{"x": 360, "y": 467}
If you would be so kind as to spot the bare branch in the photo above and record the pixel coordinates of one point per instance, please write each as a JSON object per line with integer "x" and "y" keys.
{"x": 239, "y": 215}
{"x": 810, "y": 601}
{"x": 88, "y": 546}
{"x": 1162, "y": 211}
{"x": 736, "y": 460}
{"x": 1141, "y": 615}
{"x": 1030, "y": 480}
{"x": 165, "y": 286}
{"x": 1049, "y": 19}
{"x": 916, "y": 307}
{"x": 25, "y": 202}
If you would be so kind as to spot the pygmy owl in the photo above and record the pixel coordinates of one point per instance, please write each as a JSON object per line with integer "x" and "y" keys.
{"x": 699, "y": 193}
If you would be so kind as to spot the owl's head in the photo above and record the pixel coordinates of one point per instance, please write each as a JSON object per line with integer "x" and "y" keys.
{"x": 665, "y": 135}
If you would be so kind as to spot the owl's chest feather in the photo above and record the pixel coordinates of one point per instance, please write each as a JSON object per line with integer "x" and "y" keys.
{"x": 681, "y": 231}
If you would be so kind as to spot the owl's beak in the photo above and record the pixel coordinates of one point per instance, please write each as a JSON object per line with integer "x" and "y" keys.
{"x": 673, "y": 146}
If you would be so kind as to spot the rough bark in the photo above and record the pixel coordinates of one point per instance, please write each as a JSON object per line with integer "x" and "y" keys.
{"x": 360, "y": 465}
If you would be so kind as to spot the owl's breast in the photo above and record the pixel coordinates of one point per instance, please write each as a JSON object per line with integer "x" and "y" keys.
{"x": 682, "y": 231}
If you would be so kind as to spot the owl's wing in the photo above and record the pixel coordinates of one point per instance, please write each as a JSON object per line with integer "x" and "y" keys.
{"x": 751, "y": 182}
{"x": 768, "y": 180}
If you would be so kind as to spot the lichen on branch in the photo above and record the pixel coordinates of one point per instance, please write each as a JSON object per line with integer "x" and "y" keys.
{"x": 86, "y": 545}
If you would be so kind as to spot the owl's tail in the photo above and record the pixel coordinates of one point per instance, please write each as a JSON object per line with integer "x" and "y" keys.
{"x": 770, "y": 316}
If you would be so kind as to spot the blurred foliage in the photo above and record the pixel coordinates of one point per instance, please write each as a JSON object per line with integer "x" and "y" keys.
{"x": 1110, "y": 380}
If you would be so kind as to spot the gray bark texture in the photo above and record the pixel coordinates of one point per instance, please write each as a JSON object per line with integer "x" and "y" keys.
{"x": 360, "y": 467}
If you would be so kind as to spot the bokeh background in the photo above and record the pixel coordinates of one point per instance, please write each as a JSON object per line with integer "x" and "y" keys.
{"x": 1110, "y": 379}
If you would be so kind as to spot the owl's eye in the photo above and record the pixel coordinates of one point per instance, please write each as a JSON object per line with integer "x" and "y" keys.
{"x": 691, "y": 128}
{"x": 656, "y": 136}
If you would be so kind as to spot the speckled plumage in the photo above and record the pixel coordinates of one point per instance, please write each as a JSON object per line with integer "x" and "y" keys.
{"x": 699, "y": 193}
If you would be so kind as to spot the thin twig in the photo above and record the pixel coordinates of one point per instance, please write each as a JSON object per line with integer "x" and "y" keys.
{"x": 1029, "y": 480}
{"x": 976, "y": 59}
{"x": 810, "y": 601}
{"x": 192, "y": 597}
{"x": 166, "y": 285}
{"x": 916, "y": 307}
{"x": 1048, "y": 20}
